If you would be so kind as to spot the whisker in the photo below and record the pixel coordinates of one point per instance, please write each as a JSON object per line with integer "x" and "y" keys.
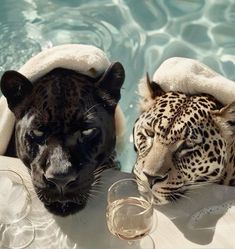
{"x": 95, "y": 183}
{"x": 97, "y": 171}
{"x": 92, "y": 195}
{"x": 197, "y": 184}
{"x": 90, "y": 114}
{"x": 183, "y": 196}
{"x": 173, "y": 198}
{"x": 91, "y": 108}
{"x": 96, "y": 191}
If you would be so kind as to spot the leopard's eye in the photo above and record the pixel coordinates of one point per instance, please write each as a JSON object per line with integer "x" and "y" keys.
{"x": 186, "y": 148}
{"x": 149, "y": 133}
{"x": 187, "y": 145}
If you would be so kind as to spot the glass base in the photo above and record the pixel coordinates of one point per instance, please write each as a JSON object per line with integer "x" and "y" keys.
{"x": 17, "y": 235}
{"x": 143, "y": 243}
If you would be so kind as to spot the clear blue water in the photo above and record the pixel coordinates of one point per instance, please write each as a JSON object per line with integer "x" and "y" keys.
{"x": 140, "y": 34}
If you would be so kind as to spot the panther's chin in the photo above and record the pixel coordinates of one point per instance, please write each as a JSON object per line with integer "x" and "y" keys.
{"x": 64, "y": 208}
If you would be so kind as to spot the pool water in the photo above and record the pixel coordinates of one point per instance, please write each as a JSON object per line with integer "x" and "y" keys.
{"x": 140, "y": 34}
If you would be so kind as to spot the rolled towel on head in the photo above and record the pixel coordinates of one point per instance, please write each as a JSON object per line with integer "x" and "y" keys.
{"x": 191, "y": 77}
{"x": 85, "y": 59}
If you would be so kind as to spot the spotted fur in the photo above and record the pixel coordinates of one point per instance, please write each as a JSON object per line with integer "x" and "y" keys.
{"x": 183, "y": 141}
{"x": 65, "y": 131}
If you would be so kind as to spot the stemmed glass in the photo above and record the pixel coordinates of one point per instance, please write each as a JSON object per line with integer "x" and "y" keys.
{"x": 16, "y": 230}
{"x": 130, "y": 213}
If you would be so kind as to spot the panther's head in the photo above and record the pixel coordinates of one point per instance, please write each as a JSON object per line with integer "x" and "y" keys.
{"x": 182, "y": 141}
{"x": 65, "y": 131}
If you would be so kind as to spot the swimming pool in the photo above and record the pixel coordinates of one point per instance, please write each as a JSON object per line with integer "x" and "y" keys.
{"x": 140, "y": 34}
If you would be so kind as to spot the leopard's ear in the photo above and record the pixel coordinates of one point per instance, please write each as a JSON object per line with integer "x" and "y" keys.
{"x": 225, "y": 119}
{"x": 111, "y": 82}
{"x": 153, "y": 88}
{"x": 15, "y": 87}
{"x": 148, "y": 91}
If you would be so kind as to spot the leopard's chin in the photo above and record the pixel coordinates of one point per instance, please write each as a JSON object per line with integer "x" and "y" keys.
{"x": 64, "y": 208}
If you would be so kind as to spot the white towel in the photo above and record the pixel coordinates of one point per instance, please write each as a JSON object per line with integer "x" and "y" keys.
{"x": 85, "y": 59}
{"x": 190, "y": 76}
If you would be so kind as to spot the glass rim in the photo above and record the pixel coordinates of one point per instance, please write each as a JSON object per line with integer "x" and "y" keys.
{"x": 142, "y": 183}
{"x": 29, "y": 200}
{"x": 30, "y": 223}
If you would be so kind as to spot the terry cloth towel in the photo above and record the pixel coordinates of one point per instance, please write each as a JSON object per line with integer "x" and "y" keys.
{"x": 188, "y": 76}
{"x": 192, "y": 77}
{"x": 85, "y": 59}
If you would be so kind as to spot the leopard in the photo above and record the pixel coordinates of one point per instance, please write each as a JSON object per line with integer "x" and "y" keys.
{"x": 182, "y": 142}
{"x": 65, "y": 132}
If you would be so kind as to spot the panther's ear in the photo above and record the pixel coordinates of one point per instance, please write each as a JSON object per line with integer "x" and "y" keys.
{"x": 148, "y": 91}
{"x": 15, "y": 87}
{"x": 111, "y": 82}
{"x": 225, "y": 118}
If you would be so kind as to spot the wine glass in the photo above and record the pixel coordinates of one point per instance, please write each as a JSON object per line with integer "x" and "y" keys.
{"x": 130, "y": 213}
{"x": 16, "y": 230}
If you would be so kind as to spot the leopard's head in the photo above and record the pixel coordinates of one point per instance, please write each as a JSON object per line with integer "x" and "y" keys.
{"x": 65, "y": 131}
{"x": 183, "y": 141}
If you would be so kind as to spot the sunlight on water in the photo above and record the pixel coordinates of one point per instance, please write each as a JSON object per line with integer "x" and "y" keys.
{"x": 140, "y": 34}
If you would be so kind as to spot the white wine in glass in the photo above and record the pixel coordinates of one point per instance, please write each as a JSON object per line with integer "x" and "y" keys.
{"x": 130, "y": 212}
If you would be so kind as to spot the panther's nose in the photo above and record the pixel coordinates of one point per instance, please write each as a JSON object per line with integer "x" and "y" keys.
{"x": 62, "y": 182}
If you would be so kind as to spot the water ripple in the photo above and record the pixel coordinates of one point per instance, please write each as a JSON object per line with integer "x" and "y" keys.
{"x": 183, "y": 7}
{"x": 148, "y": 14}
{"x": 19, "y": 51}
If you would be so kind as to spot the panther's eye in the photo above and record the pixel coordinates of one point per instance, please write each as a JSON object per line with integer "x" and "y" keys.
{"x": 37, "y": 133}
{"x": 88, "y": 132}
{"x": 149, "y": 133}
{"x": 37, "y": 136}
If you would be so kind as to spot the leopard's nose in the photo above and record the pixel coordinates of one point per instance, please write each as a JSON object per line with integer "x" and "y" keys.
{"x": 62, "y": 182}
{"x": 156, "y": 178}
